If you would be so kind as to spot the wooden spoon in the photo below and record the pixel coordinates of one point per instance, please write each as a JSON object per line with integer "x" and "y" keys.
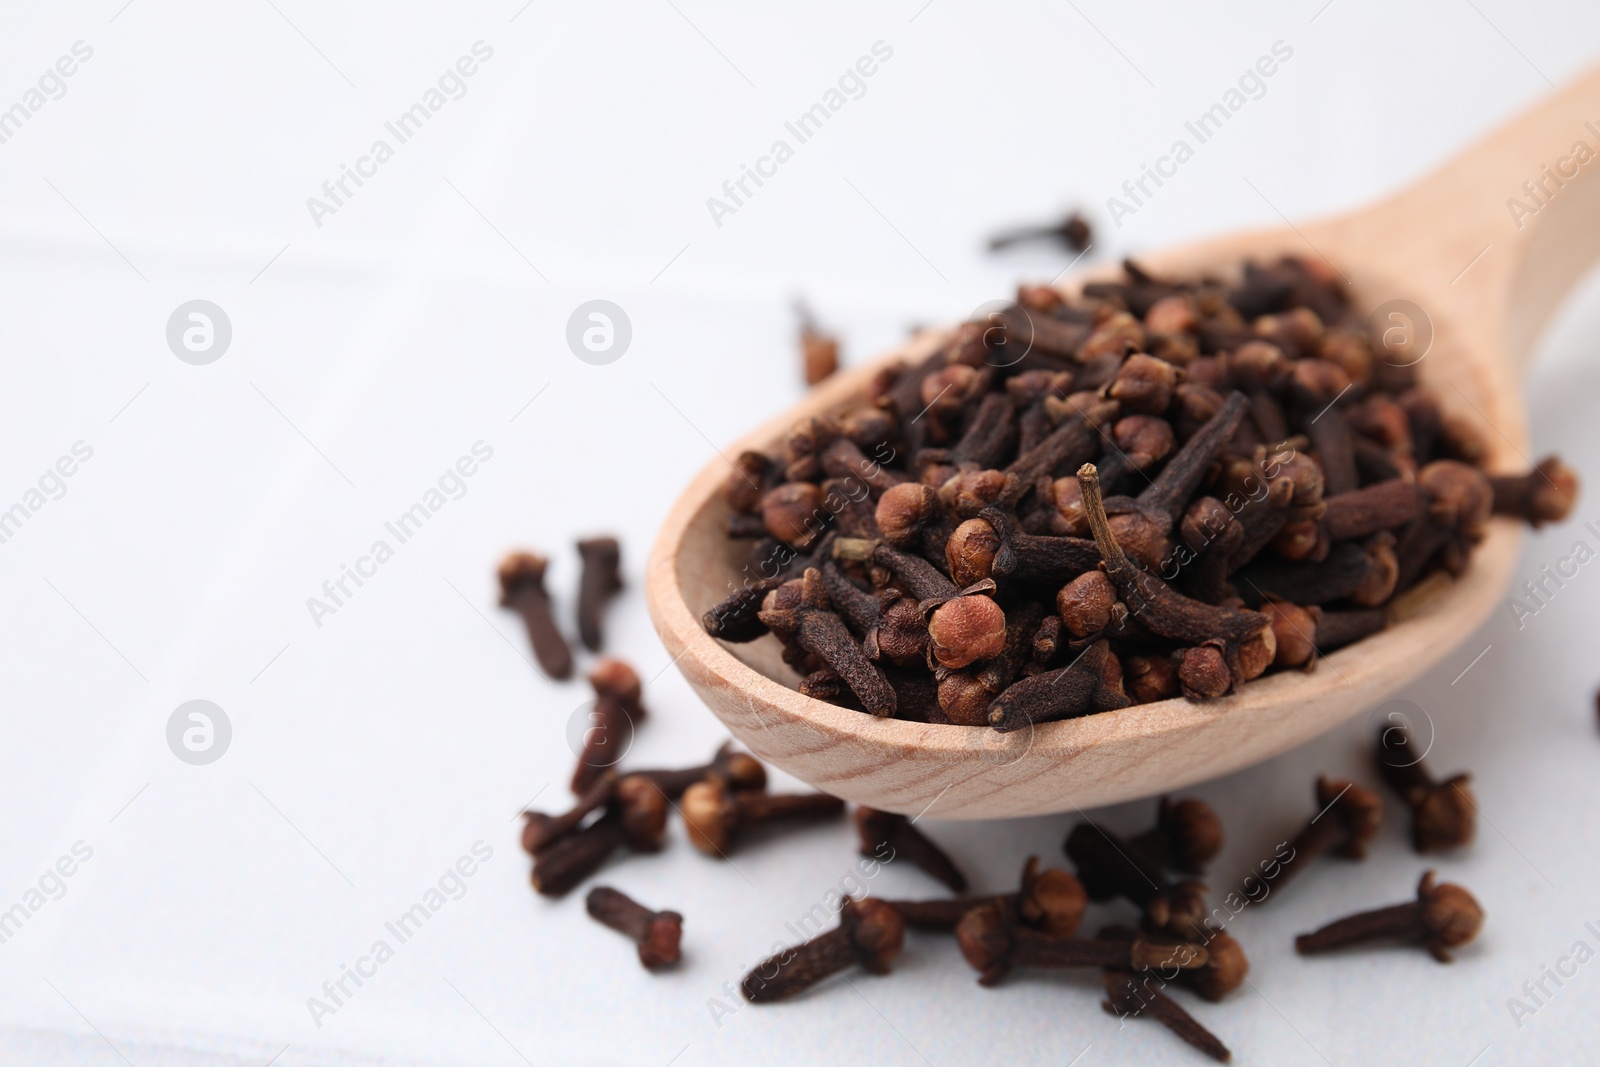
{"x": 1488, "y": 275}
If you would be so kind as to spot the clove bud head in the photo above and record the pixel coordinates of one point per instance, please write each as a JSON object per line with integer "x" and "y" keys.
{"x": 1450, "y": 915}
{"x": 1444, "y": 815}
{"x": 965, "y": 630}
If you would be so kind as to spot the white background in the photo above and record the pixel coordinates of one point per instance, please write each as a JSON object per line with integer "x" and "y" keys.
{"x": 370, "y": 352}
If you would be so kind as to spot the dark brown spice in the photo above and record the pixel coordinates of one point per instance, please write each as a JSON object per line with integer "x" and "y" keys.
{"x": 878, "y": 830}
{"x": 1087, "y": 685}
{"x": 994, "y": 943}
{"x": 540, "y": 830}
{"x": 1187, "y": 835}
{"x": 811, "y": 625}
{"x": 522, "y": 590}
{"x": 1249, "y": 447}
{"x": 1444, "y": 916}
{"x": 819, "y": 352}
{"x": 1244, "y": 637}
{"x": 1443, "y": 814}
{"x": 617, "y": 712}
{"x": 870, "y": 934}
{"x": 599, "y": 580}
{"x": 1072, "y": 231}
{"x": 1347, "y": 819}
{"x": 637, "y": 817}
{"x": 1050, "y": 900}
{"x": 1128, "y": 995}
{"x": 657, "y": 933}
{"x": 716, "y": 815}
{"x": 1544, "y": 494}
{"x": 740, "y": 770}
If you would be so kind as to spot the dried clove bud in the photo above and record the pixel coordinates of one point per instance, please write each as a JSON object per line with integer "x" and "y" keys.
{"x": 657, "y": 933}
{"x": 870, "y": 933}
{"x": 994, "y": 943}
{"x": 1245, "y": 639}
{"x": 1187, "y": 835}
{"x": 741, "y": 771}
{"x": 965, "y": 630}
{"x": 637, "y": 817}
{"x": 1443, "y": 814}
{"x": 819, "y": 631}
{"x": 1072, "y": 231}
{"x": 1444, "y": 916}
{"x": 522, "y": 590}
{"x": 1051, "y": 901}
{"x": 1092, "y": 682}
{"x": 715, "y": 815}
{"x": 600, "y": 579}
{"x": 1347, "y": 820}
{"x": 819, "y": 352}
{"x": 877, "y": 829}
{"x": 617, "y": 711}
{"x": 1544, "y": 494}
{"x": 540, "y": 830}
{"x": 1127, "y": 995}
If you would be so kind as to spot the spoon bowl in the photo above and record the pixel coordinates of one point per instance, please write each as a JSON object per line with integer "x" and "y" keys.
{"x": 1450, "y": 256}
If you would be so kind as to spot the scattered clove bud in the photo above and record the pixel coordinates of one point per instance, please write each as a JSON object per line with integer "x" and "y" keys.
{"x": 1051, "y": 901}
{"x": 617, "y": 712}
{"x": 540, "y": 830}
{"x": 600, "y": 579}
{"x": 1544, "y": 494}
{"x": 819, "y": 352}
{"x": 1443, "y": 814}
{"x": 637, "y": 817}
{"x": 880, "y": 828}
{"x": 742, "y": 772}
{"x": 657, "y": 933}
{"x": 715, "y": 815}
{"x": 1186, "y": 837}
{"x": 1072, "y": 231}
{"x": 522, "y": 590}
{"x": 870, "y": 933}
{"x": 1347, "y": 819}
{"x": 1128, "y": 995}
{"x": 1444, "y": 916}
{"x": 994, "y": 943}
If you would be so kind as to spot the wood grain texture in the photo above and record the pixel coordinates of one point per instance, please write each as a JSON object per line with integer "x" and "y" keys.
{"x": 1417, "y": 246}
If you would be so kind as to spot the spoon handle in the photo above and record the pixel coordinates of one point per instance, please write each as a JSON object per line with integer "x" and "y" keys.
{"x": 1491, "y": 241}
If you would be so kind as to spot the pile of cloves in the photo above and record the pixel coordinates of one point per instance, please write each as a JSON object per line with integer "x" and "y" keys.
{"x": 1162, "y": 487}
